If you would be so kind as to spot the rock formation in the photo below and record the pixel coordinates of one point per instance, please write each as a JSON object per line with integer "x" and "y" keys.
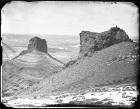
{"x": 92, "y": 41}
{"x": 37, "y": 53}
{"x": 30, "y": 66}
{"x": 38, "y": 44}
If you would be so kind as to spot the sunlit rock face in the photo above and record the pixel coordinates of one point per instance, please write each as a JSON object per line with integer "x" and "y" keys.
{"x": 93, "y": 41}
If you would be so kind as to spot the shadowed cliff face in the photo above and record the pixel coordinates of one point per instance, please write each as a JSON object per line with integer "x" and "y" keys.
{"x": 92, "y": 41}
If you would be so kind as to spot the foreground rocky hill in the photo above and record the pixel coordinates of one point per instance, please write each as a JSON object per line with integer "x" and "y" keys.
{"x": 115, "y": 63}
{"x": 106, "y": 58}
{"x": 110, "y": 65}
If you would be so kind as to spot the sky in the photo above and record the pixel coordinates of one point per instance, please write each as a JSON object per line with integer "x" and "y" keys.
{"x": 68, "y": 17}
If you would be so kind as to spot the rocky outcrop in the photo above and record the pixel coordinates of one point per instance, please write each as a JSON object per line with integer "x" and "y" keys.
{"x": 38, "y": 44}
{"x": 92, "y": 41}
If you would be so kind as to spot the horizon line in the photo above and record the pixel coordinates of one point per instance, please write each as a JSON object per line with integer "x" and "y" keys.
{"x": 38, "y": 34}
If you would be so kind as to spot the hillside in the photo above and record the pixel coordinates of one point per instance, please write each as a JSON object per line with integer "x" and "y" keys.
{"x": 112, "y": 64}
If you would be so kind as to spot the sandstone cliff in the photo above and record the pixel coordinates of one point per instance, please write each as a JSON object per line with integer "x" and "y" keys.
{"x": 92, "y": 41}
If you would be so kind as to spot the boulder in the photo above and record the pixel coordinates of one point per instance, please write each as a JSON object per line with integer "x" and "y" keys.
{"x": 93, "y": 41}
